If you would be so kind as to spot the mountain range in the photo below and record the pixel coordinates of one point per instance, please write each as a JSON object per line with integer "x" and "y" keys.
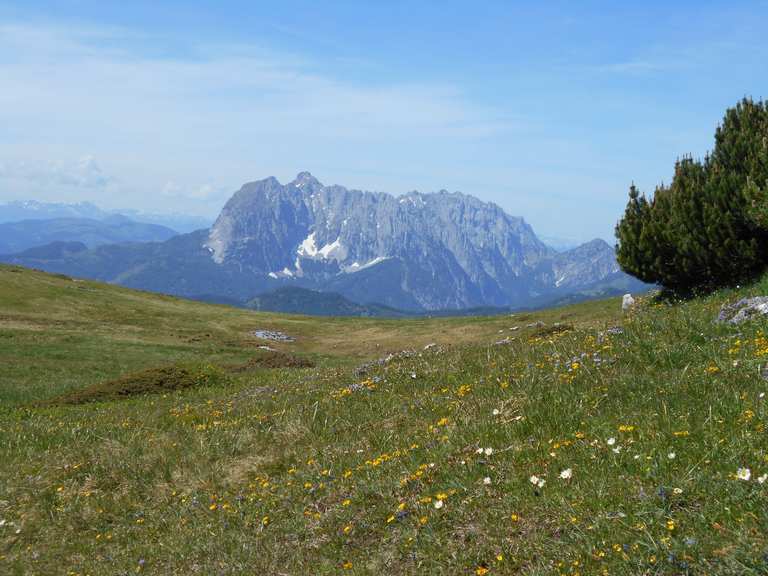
{"x": 25, "y": 234}
{"x": 34, "y": 210}
{"x": 416, "y": 252}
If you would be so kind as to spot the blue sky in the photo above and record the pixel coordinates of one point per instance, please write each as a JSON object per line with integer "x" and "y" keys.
{"x": 549, "y": 109}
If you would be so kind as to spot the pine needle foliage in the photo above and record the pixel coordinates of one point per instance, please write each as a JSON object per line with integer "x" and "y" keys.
{"x": 709, "y": 227}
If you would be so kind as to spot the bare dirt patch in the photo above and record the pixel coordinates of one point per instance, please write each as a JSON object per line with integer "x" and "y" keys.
{"x": 152, "y": 381}
{"x": 273, "y": 359}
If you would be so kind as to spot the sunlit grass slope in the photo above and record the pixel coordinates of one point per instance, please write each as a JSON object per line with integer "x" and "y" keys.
{"x": 569, "y": 450}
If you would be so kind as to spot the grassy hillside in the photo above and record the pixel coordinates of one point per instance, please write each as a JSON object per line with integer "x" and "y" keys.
{"x": 568, "y": 450}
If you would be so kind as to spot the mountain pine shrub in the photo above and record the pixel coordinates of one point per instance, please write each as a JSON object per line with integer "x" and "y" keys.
{"x": 709, "y": 227}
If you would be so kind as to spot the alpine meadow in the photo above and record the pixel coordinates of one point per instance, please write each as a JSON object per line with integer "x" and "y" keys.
{"x": 214, "y": 362}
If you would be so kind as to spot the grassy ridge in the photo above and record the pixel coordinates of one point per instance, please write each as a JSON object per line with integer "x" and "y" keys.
{"x": 565, "y": 451}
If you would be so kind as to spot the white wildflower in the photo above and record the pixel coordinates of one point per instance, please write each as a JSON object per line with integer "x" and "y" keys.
{"x": 611, "y": 441}
{"x": 744, "y": 474}
{"x": 438, "y": 504}
{"x": 487, "y": 481}
{"x": 763, "y": 478}
{"x": 536, "y": 481}
{"x": 671, "y": 455}
{"x": 488, "y": 451}
{"x": 566, "y": 474}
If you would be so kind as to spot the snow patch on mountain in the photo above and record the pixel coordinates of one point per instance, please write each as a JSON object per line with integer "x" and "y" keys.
{"x": 356, "y": 266}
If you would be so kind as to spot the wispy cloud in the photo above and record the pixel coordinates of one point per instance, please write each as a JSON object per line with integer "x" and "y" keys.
{"x": 204, "y": 118}
{"x": 84, "y": 173}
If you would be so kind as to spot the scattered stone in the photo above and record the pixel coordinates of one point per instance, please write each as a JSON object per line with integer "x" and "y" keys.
{"x": 743, "y": 310}
{"x": 273, "y": 335}
{"x": 430, "y": 346}
{"x": 627, "y": 302}
{"x": 506, "y": 340}
{"x": 363, "y": 369}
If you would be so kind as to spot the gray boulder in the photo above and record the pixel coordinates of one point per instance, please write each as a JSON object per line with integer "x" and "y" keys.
{"x": 743, "y": 310}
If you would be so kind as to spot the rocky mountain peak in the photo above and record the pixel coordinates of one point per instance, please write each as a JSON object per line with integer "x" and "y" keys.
{"x": 438, "y": 250}
{"x": 306, "y": 180}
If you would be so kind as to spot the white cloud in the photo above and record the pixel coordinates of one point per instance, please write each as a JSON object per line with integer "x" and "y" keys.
{"x": 209, "y": 121}
{"x": 82, "y": 173}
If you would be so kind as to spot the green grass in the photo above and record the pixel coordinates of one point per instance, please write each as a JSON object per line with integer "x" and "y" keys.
{"x": 322, "y": 471}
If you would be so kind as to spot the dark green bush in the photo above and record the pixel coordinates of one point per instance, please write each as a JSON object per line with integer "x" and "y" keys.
{"x": 709, "y": 228}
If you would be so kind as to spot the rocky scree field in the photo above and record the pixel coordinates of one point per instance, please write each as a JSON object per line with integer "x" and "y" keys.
{"x": 572, "y": 441}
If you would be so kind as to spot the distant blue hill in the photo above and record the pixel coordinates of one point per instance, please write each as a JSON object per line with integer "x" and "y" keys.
{"x": 20, "y": 236}
{"x": 35, "y": 210}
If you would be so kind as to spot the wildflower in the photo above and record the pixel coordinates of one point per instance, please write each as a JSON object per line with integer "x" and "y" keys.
{"x": 671, "y": 455}
{"x": 479, "y": 451}
{"x": 671, "y": 525}
{"x": 346, "y": 502}
{"x": 611, "y": 441}
{"x": 677, "y": 490}
{"x": 763, "y": 478}
{"x": 438, "y": 504}
{"x": 481, "y": 571}
{"x": 488, "y": 451}
{"x": 487, "y": 481}
{"x": 496, "y": 412}
{"x": 566, "y": 474}
{"x": 536, "y": 481}
{"x": 347, "y": 565}
{"x": 744, "y": 474}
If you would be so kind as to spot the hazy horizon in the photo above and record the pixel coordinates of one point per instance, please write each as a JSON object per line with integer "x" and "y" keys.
{"x": 548, "y": 111}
